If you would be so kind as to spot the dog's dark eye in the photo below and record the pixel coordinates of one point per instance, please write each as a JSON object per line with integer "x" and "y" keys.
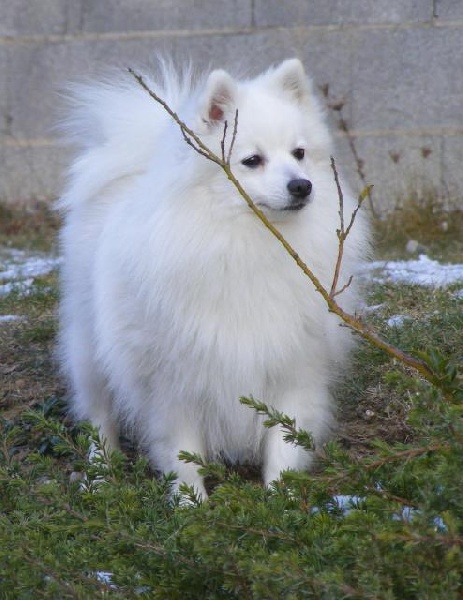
{"x": 299, "y": 153}
{"x": 253, "y": 161}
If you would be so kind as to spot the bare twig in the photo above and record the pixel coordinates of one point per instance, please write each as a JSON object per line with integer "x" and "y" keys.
{"x": 232, "y": 143}
{"x": 222, "y": 143}
{"x": 340, "y": 232}
{"x": 353, "y": 321}
{"x": 343, "y": 289}
{"x": 343, "y": 232}
{"x": 337, "y": 107}
{"x": 188, "y": 134}
{"x": 363, "y": 194}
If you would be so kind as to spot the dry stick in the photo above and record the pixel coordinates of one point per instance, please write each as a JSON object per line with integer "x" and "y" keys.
{"x": 354, "y": 322}
{"x": 340, "y": 232}
{"x": 232, "y": 143}
{"x": 338, "y": 107}
{"x": 343, "y": 232}
{"x": 222, "y": 143}
{"x": 224, "y": 137}
{"x": 358, "y": 161}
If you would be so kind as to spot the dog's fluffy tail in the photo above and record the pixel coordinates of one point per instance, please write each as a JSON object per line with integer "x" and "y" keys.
{"x": 114, "y": 125}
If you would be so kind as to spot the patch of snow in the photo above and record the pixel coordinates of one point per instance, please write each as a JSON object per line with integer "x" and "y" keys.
{"x": 33, "y": 266}
{"x": 423, "y": 271}
{"x": 23, "y": 287}
{"x": 105, "y": 577}
{"x": 458, "y": 294}
{"x": 347, "y": 502}
{"x": 18, "y": 269}
{"x": 397, "y": 320}
{"x": 8, "y": 318}
{"x": 373, "y": 308}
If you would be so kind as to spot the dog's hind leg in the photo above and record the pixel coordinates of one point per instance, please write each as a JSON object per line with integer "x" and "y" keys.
{"x": 91, "y": 399}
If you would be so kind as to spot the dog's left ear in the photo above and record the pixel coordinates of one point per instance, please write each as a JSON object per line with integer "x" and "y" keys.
{"x": 290, "y": 77}
{"x": 219, "y": 98}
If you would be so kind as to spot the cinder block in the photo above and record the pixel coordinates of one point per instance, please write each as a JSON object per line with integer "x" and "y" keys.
{"x": 37, "y": 71}
{"x": 397, "y": 166}
{"x": 145, "y": 15}
{"x": 4, "y": 107}
{"x": 32, "y": 172}
{"x": 23, "y": 17}
{"x": 448, "y": 10}
{"x": 327, "y": 56}
{"x": 291, "y": 13}
{"x": 394, "y": 81}
{"x": 35, "y": 74}
{"x": 407, "y": 79}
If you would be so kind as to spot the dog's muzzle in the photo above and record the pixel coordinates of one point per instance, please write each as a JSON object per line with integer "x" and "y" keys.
{"x": 300, "y": 191}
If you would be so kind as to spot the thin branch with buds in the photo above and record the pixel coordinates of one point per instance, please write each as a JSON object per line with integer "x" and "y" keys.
{"x": 337, "y": 107}
{"x": 232, "y": 143}
{"x": 353, "y": 321}
{"x": 343, "y": 232}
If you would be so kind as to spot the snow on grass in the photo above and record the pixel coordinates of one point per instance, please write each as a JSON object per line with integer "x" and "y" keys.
{"x": 18, "y": 269}
{"x": 19, "y": 264}
{"x": 23, "y": 286}
{"x": 9, "y": 318}
{"x": 424, "y": 271}
{"x": 397, "y": 320}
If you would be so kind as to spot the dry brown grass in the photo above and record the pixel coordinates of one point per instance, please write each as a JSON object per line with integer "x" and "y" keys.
{"x": 34, "y": 227}
{"x": 434, "y": 224}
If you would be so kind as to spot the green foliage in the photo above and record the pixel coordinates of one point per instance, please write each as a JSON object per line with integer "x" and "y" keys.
{"x": 386, "y": 526}
{"x": 382, "y": 524}
{"x": 291, "y": 434}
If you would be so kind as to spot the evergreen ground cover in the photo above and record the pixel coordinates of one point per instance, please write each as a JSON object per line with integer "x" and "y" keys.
{"x": 381, "y": 517}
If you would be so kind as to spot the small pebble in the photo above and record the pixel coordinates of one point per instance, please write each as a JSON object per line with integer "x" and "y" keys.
{"x": 412, "y": 246}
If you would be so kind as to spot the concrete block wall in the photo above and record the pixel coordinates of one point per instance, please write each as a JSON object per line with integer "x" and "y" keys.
{"x": 396, "y": 64}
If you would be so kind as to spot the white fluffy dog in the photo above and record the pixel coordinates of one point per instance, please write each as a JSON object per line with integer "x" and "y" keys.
{"x": 176, "y": 299}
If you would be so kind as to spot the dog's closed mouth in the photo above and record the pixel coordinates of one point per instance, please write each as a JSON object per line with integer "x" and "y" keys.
{"x": 293, "y": 207}
{"x": 298, "y": 206}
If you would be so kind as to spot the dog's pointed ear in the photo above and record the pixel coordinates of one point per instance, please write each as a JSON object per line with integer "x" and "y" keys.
{"x": 291, "y": 78}
{"x": 219, "y": 97}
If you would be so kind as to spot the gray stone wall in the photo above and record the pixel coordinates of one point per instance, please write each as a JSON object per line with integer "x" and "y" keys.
{"x": 397, "y": 65}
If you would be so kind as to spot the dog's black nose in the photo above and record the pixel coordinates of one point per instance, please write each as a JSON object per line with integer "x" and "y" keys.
{"x": 299, "y": 188}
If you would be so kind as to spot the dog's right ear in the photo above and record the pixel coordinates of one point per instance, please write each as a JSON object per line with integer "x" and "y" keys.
{"x": 219, "y": 97}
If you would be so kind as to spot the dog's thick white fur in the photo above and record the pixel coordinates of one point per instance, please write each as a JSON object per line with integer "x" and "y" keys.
{"x": 176, "y": 300}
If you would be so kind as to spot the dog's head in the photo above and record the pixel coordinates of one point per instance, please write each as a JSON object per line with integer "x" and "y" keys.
{"x": 279, "y": 132}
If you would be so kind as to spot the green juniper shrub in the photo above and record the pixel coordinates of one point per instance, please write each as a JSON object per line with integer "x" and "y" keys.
{"x": 384, "y": 522}
{"x": 389, "y": 525}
